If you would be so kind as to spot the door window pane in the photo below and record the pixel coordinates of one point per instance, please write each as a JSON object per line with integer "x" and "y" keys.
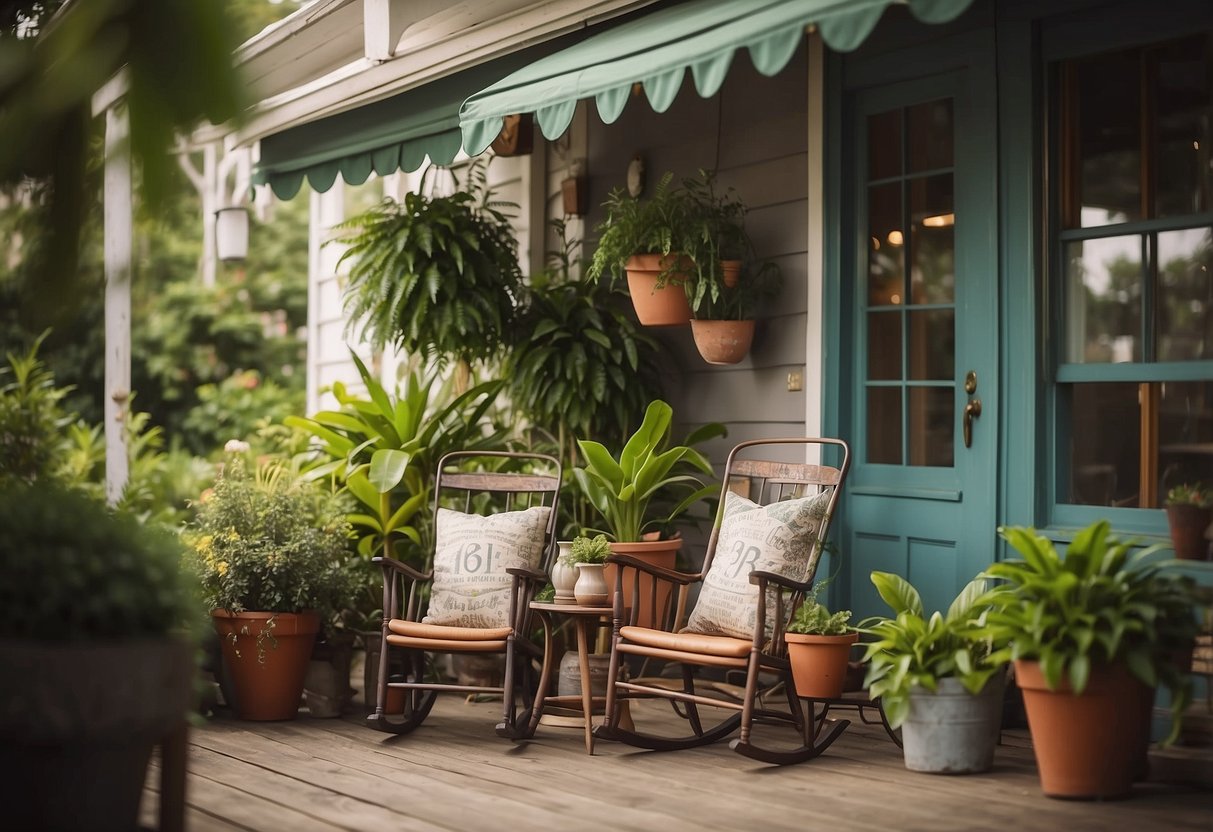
{"x": 929, "y": 127}
{"x": 932, "y": 425}
{"x": 1185, "y": 295}
{"x": 884, "y": 425}
{"x": 884, "y": 145}
{"x": 1183, "y": 121}
{"x": 1103, "y": 280}
{"x": 884, "y": 346}
{"x": 886, "y": 246}
{"x": 932, "y": 242}
{"x": 1108, "y": 137}
{"x": 932, "y": 344}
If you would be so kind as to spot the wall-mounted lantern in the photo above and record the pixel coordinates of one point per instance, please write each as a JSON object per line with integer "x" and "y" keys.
{"x": 231, "y": 233}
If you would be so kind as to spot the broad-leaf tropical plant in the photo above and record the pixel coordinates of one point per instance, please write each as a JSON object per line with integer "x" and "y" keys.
{"x": 622, "y": 490}
{"x": 911, "y": 650}
{"x": 1099, "y": 603}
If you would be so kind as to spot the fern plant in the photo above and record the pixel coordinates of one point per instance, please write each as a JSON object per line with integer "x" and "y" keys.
{"x": 435, "y": 275}
{"x": 663, "y": 224}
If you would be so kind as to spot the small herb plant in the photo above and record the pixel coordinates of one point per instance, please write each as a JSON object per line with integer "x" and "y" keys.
{"x": 814, "y": 619}
{"x": 588, "y": 550}
{"x": 1190, "y": 494}
{"x": 911, "y": 650}
{"x": 1099, "y": 603}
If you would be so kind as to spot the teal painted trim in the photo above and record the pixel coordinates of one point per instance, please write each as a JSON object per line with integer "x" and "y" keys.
{"x": 911, "y": 493}
{"x": 1113, "y": 26}
{"x": 909, "y": 177}
{"x": 1140, "y": 372}
{"x": 1136, "y": 228}
{"x": 1126, "y": 521}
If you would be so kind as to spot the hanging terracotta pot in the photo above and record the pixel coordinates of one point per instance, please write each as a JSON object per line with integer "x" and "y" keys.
{"x": 819, "y": 663}
{"x": 268, "y": 655}
{"x": 1091, "y": 745}
{"x": 731, "y": 272}
{"x": 662, "y": 553}
{"x": 1188, "y": 526}
{"x": 723, "y": 342}
{"x": 666, "y": 306}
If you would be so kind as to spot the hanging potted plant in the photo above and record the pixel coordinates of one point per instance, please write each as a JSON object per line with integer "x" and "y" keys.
{"x": 1189, "y": 514}
{"x": 96, "y": 666}
{"x": 270, "y": 551}
{"x": 819, "y": 647}
{"x": 1092, "y": 633}
{"x": 646, "y": 472}
{"x": 647, "y": 239}
{"x": 937, "y": 677}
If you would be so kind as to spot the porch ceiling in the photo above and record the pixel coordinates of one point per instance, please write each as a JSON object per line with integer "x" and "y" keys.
{"x": 655, "y": 50}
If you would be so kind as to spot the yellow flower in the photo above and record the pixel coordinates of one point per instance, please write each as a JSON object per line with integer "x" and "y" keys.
{"x": 203, "y": 544}
{"x": 221, "y": 567}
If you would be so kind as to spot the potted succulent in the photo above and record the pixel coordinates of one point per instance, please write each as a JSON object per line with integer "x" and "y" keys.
{"x": 270, "y": 551}
{"x": 1189, "y": 514}
{"x": 1092, "y": 633}
{"x": 647, "y": 239}
{"x": 647, "y": 470}
{"x": 588, "y": 555}
{"x": 95, "y": 663}
{"x": 819, "y": 647}
{"x": 937, "y": 677}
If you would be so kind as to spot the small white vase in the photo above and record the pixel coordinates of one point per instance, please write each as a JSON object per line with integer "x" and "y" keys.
{"x": 564, "y": 575}
{"x": 591, "y": 588}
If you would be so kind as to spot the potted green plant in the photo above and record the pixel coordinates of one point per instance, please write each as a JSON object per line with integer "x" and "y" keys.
{"x": 270, "y": 550}
{"x": 819, "y": 647}
{"x": 646, "y": 472}
{"x": 96, "y": 665}
{"x": 937, "y": 676}
{"x": 1189, "y": 514}
{"x": 435, "y": 275}
{"x": 589, "y": 555}
{"x": 722, "y": 321}
{"x": 647, "y": 239}
{"x": 1092, "y": 633}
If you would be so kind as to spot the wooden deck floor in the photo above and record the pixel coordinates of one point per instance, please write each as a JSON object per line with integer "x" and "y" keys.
{"x": 455, "y": 774}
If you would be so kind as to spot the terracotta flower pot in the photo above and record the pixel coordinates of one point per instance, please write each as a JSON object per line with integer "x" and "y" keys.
{"x": 666, "y": 306}
{"x": 730, "y": 272}
{"x": 1188, "y": 526}
{"x": 819, "y": 663}
{"x": 1092, "y": 745}
{"x": 663, "y": 553}
{"x": 268, "y": 676}
{"x": 722, "y": 342}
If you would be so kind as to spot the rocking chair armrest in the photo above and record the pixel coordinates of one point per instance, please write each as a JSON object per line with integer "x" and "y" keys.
{"x": 402, "y": 568}
{"x": 760, "y": 577}
{"x": 652, "y": 569}
{"x": 527, "y": 572}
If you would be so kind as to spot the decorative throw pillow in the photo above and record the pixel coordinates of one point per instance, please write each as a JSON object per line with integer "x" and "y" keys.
{"x": 471, "y": 587}
{"x": 777, "y": 538}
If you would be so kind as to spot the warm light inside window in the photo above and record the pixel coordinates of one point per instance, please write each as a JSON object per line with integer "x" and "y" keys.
{"x": 939, "y": 221}
{"x": 895, "y": 238}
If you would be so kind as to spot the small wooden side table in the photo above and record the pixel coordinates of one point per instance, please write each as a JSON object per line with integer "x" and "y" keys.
{"x": 585, "y": 620}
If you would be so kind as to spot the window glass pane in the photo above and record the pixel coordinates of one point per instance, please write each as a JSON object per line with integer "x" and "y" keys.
{"x": 932, "y": 425}
{"x": 1185, "y": 295}
{"x": 886, "y": 247}
{"x": 932, "y": 242}
{"x": 1183, "y": 103}
{"x": 1108, "y": 136}
{"x": 932, "y": 344}
{"x": 884, "y": 346}
{"x": 884, "y": 425}
{"x": 884, "y": 145}
{"x": 1103, "y": 300}
{"x": 1104, "y": 440}
{"x": 929, "y": 127}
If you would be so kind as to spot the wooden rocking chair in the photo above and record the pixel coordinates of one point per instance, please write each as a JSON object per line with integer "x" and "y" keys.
{"x": 744, "y": 605}
{"x": 494, "y": 544}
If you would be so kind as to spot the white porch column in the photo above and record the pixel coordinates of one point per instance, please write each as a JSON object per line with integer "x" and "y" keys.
{"x": 814, "y": 352}
{"x": 117, "y": 298}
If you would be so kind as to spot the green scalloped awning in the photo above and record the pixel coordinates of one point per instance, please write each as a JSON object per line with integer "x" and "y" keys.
{"x": 657, "y": 49}
{"x": 398, "y": 133}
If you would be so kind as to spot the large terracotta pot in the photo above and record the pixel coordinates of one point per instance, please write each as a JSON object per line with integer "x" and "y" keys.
{"x": 663, "y": 553}
{"x": 1092, "y": 745}
{"x": 77, "y": 727}
{"x": 819, "y": 663}
{"x": 268, "y": 677}
{"x": 722, "y": 342}
{"x": 666, "y": 306}
{"x": 1188, "y": 526}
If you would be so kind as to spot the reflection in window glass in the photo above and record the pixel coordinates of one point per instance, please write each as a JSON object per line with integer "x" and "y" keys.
{"x": 1103, "y": 300}
{"x": 884, "y": 425}
{"x": 1185, "y": 295}
{"x": 1105, "y": 442}
{"x": 886, "y": 246}
{"x": 932, "y": 344}
{"x": 884, "y": 145}
{"x": 1183, "y": 115}
{"x": 884, "y": 346}
{"x": 929, "y": 128}
{"x": 1108, "y": 92}
{"x": 932, "y": 242}
{"x": 932, "y": 425}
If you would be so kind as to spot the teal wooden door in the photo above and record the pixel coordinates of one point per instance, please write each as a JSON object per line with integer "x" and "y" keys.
{"x": 921, "y": 363}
